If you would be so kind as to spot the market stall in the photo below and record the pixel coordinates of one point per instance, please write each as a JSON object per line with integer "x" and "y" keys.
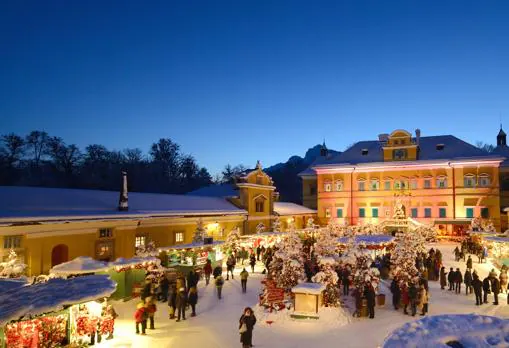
{"x": 39, "y": 315}
{"x": 266, "y": 239}
{"x": 498, "y": 249}
{"x": 185, "y": 257}
{"x": 79, "y": 266}
{"x": 130, "y": 274}
{"x": 370, "y": 242}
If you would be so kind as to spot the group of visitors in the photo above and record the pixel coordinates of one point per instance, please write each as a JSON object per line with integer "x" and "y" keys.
{"x": 413, "y": 293}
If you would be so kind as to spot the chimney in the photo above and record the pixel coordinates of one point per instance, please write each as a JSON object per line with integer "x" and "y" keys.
{"x": 123, "y": 201}
{"x": 417, "y": 136}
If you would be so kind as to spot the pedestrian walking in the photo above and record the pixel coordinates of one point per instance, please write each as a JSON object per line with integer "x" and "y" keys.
{"x": 495, "y": 288}
{"x": 218, "y": 270}
{"x": 443, "y": 278}
{"x": 151, "y": 310}
{"x": 230, "y": 266}
{"x": 193, "y": 300}
{"x": 503, "y": 280}
{"x": 243, "y": 279}
{"x": 486, "y": 286}
{"x": 172, "y": 300}
{"x": 252, "y": 262}
{"x": 467, "y": 278}
{"x": 477, "y": 285}
{"x": 181, "y": 303}
{"x": 469, "y": 262}
{"x": 396, "y": 293}
{"x": 405, "y": 299}
{"x": 423, "y": 300}
{"x": 140, "y": 317}
{"x": 458, "y": 279}
{"x": 219, "y": 285}
{"x": 345, "y": 280}
{"x": 369, "y": 294}
{"x": 450, "y": 279}
{"x": 207, "y": 270}
{"x": 246, "y": 325}
{"x": 412, "y": 295}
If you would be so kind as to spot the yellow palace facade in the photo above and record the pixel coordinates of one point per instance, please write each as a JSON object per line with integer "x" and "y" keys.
{"x": 437, "y": 179}
{"x": 48, "y": 226}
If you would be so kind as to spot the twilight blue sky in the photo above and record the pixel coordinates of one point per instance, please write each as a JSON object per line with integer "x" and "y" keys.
{"x": 237, "y": 81}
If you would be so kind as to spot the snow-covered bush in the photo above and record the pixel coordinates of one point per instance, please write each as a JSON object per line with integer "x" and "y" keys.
{"x": 12, "y": 268}
{"x": 408, "y": 246}
{"x": 276, "y": 225}
{"x": 232, "y": 240}
{"x": 326, "y": 243}
{"x": 328, "y": 277}
{"x": 428, "y": 232}
{"x": 287, "y": 266}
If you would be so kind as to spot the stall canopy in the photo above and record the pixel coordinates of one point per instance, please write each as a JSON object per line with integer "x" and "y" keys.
{"x": 497, "y": 239}
{"x": 52, "y": 296}
{"x": 12, "y": 283}
{"x": 80, "y": 265}
{"x": 190, "y": 246}
{"x": 375, "y": 240}
{"x": 135, "y": 261}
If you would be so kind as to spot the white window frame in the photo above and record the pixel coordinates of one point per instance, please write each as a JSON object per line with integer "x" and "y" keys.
{"x": 140, "y": 240}
{"x": 374, "y": 185}
{"x": 441, "y": 182}
{"x": 179, "y": 237}
{"x": 484, "y": 180}
{"x": 361, "y": 185}
{"x": 327, "y": 186}
{"x": 12, "y": 242}
{"x": 469, "y": 177}
{"x": 338, "y": 185}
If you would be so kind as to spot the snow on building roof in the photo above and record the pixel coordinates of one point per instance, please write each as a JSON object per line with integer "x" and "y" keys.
{"x": 497, "y": 239}
{"x": 375, "y": 239}
{"x": 122, "y": 262}
{"x": 370, "y": 152}
{"x": 221, "y": 190}
{"x": 191, "y": 246}
{"x": 12, "y": 283}
{"x": 52, "y": 296}
{"x": 287, "y": 208}
{"x": 309, "y": 288}
{"x": 469, "y": 330}
{"x": 79, "y": 265}
{"x": 41, "y": 203}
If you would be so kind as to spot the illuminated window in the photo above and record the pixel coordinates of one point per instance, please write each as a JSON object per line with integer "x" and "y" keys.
{"x": 12, "y": 242}
{"x": 327, "y": 212}
{"x": 374, "y": 212}
{"x": 339, "y": 185}
{"x": 469, "y": 180}
{"x": 179, "y": 237}
{"x": 140, "y": 241}
{"x": 397, "y": 185}
{"x": 105, "y": 250}
{"x": 105, "y": 233}
{"x": 374, "y": 185}
{"x": 470, "y": 212}
{"x": 362, "y": 212}
{"x": 403, "y": 184}
{"x": 442, "y": 182}
{"x": 327, "y": 186}
{"x": 484, "y": 180}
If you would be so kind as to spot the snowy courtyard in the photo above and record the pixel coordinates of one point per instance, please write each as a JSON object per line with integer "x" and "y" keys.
{"x": 216, "y": 323}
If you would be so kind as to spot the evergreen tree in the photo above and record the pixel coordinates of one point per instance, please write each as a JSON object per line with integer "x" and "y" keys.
{"x": 408, "y": 246}
{"x": 287, "y": 266}
{"x": 232, "y": 240}
{"x": 200, "y": 233}
{"x": 12, "y": 268}
{"x": 276, "y": 224}
{"x": 328, "y": 277}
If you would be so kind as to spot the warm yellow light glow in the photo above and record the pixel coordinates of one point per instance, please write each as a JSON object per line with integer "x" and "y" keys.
{"x": 213, "y": 226}
{"x": 289, "y": 220}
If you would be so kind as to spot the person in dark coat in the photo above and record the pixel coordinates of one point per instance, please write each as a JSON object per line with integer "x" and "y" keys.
{"x": 218, "y": 270}
{"x": 252, "y": 262}
{"x": 458, "y": 279}
{"x": 369, "y": 294}
{"x": 404, "y": 298}
{"x": 450, "y": 279}
{"x": 192, "y": 279}
{"x": 258, "y": 252}
{"x": 443, "y": 278}
{"x": 164, "y": 285}
{"x": 495, "y": 288}
{"x": 193, "y": 300}
{"x": 345, "y": 280}
{"x": 172, "y": 300}
{"x": 207, "y": 270}
{"x": 181, "y": 303}
{"x": 469, "y": 262}
{"x": 486, "y": 287}
{"x": 467, "y": 279}
{"x": 147, "y": 290}
{"x": 412, "y": 295}
{"x": 246, "y": 325}
{"x": 477, "y": 285}
{"x": 396, "y": 294}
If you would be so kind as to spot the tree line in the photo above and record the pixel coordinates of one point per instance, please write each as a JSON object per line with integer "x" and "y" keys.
{"x": 39, "y": 159}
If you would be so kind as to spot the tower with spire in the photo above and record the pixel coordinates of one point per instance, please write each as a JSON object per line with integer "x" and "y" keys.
{"x": 324, "y": 152}
{"x": 501, "y": 137}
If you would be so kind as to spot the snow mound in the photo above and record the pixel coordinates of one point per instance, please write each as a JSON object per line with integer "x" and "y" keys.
{"x": 309, "y": 288}
{"x": 469, "y": 330}
{"x": 52, "y": 296}
{"x": 79, "y": 265}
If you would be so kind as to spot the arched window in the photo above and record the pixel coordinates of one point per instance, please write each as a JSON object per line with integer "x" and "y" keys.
{"x": 361, "y": 184}
{"x": 441, "y": 181}
{"x": 484, "y": 180}
{"x": 374, "y": 184}
{"x": 469, "y": 180}
{"x": 59, "y": 254}
{"x": 338, "y": 185}
{"x": 327, "y": 186}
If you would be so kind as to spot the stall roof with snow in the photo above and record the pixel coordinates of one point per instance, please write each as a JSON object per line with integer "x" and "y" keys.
{"x": 468, "y": 330}
{"x": 122, "y": 262}
{"x": 52, "y": 296}
{"x": 12, "y": 283}
{"x": 44, "y": 204}
{"x": 287, "y": 208}
{"x": 191, "y": 246}
{"x": 80, "y": 265}
{"x": 309, "y": 288}
{"x": 375, "y": 239}
{"x": 497, "y": 239}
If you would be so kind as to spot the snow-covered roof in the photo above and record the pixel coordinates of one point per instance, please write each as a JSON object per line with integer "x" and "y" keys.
{"x": 375, "y": 239}
{"x": 12, "y": 283}
{"x": 191, "y": 246}
{"x": 497, "y": 239}
{"x": 470, "y": 330}
{"x": 221, "y": 190}
{"x": 287, "y": 208}
{"x": 43, "y": 204}
{"x": 122, "y": 262}
{"x": 309, "y": 288}
{"x": 79, "y": 265}
{"x": 52, "y": 295}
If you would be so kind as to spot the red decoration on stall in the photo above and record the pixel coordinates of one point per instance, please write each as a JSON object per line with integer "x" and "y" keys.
{"x": 41, "y": 332}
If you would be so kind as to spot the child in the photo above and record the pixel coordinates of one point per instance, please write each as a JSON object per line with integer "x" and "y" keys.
{"x": 193, "y": 300}
{"x": 219, "y": 285}
{"x": 151, "y": 310}
{"x": 140, "y": 316}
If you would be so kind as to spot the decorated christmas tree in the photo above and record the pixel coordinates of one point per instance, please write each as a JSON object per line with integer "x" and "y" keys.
{"x": 363, "y": 272}
{"x": 276, "y": 225}
{"x": 408, "y": 246}
{"x": 200, "y": 233}
{"x": 12, "y": 268}
{"x": 326, "y": 243}
{"x": 232, "y": 240}
{"x": 310, "y": 224}
{"x": 428, "y": 232}
{"x": 260, "y": 228}
{"x": 147, "y": 250}
{"x": 334, "y": 228}
{"x": 287, "y": 266}
{"x": 328, "y": 277}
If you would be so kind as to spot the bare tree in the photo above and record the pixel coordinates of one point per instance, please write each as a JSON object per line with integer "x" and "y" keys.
{"x": 36, "y": 143}
{"x": 485, "y": 146}
{"x": 12, "y": 148}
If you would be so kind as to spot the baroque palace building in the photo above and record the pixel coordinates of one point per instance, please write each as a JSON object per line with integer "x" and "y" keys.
{"x": 48, "y": 226}
{"x": 436, "y": 179}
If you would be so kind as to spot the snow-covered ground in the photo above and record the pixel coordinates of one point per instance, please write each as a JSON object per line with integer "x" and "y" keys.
{"x": 216, "y": 324}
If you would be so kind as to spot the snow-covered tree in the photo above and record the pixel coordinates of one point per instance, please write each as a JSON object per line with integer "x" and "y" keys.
{"x": 147, "y": 250}
{"x": 310, "y": 224}
{"x": 260, "y": 228}
{"x": 291, "y": 225}
{"x": 287, "y": 266}
{"x": 232, "y": 240}
{"x": 200, "y": 233}
{"x": 328, "y": 277}
{"x": 12, "y": 268}
{"x": 335, "y": 229}
{"x": 276, "y": 224}
{"x": 408, "y": 246}
{"x": 326, "y": 243}
{"x": 363, "y": 272}
{"x": 428, "y": 232}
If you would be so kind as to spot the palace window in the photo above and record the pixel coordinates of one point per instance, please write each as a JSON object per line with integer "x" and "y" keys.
{"x": 12, "y": 242}
{"x": 362, "y": 186}
{"x": 339, "y": 185}
{"x": 327, "y": 212}
{"x": 399, "y": 154}
{"x": 339, "y": 212}
{"x": 470, "y": 212}
{"x": 413, "y": 212}
{"x": 327, "y": 186}
{"x": 375, "y": 185}
{"x": 442, "y": 212}
{"x": 413, "y": 184}
{"x": 469, "y": 180}
{"x": 427, "y": 183}
{"x": 105, "y": 233}
{"x": 404, "y": 184}
{"x": 259, "y": 206}
{"x": 140, "y": 241}
{"x": 442, "y": 182}
{"x": 484, "y": 180}
{"x": 397, "y": 185}
{"x": 485, "y": 213}
{"x": 179, "y": 237}
{"x": 104, "y": 250}
{"x": 387, "y": 185}
{"x": 374, "y": 212}
{"x": 427, "y": 212}
{"x": 362, "y": 212}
